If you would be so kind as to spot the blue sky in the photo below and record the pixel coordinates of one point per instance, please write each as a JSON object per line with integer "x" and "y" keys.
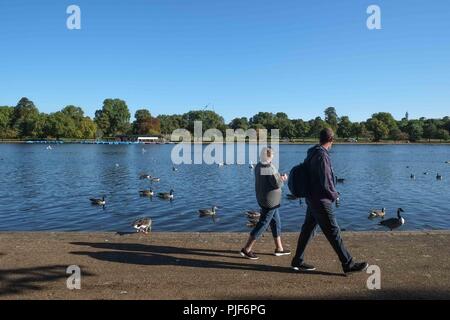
{"x": 239, "y": 56}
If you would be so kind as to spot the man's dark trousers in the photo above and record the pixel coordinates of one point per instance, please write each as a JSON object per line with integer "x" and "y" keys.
{"x": 321, "y": 213}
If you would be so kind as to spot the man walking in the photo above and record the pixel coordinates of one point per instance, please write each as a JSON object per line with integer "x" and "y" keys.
{"x": 322, "y": 194}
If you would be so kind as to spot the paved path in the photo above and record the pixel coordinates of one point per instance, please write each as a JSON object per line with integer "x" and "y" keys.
{"x": 207, "y": 266}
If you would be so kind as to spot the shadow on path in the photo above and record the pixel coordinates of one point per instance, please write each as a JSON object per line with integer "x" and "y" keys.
{"x": 143, "y": 254}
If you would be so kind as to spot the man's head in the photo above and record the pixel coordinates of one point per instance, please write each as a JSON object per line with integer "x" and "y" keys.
{"x": 266, "y": 155}
{"x": 326, "y": 137}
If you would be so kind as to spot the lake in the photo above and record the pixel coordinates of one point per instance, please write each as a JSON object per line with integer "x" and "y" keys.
{"x": 43, "y": 189}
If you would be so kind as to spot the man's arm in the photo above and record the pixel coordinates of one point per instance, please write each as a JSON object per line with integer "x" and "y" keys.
{"x": 326, "y": 179}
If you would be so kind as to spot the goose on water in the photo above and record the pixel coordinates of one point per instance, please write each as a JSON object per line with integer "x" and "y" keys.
{"x": 166, "y": 195}
{"x": 377, "y": 213}
{"x": 207, "y": 212}
{"x": 394, "y": 223}
{"x": 412, "y": 176}
{"x": 146, "y": 193}
{"x": 98, "y": 202}
{"x": 145, "y": 176}
{"x": 143, "y": 225}
{"x": 253, "y": 214}
{"x": 438, "y": 176}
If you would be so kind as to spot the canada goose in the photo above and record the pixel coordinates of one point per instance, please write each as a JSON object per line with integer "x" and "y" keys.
{"x": 174, "y": 168}
{"x": 145, "y": 176}
{"x": 98, "y": 202}
{"x": 253, "y": 214}
{"x": 143, "y": 224}
{"x": 438, "y": 176}
{"x": 425, "y": 173}
{"x": 339, "y": 180}
{"x": 448, "y": 162}
{"x": 146, "y": 193}
{"x": 412, "y": 176}
{"x": 207, "y": 212}
{"x": 394, "y": 223}
{"x": 377, "y": 213}
{"x": 166, "y": 195}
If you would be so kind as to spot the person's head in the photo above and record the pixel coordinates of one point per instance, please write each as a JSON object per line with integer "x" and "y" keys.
{"x": 266, "y": 155}
{"x": 326, "y": 137}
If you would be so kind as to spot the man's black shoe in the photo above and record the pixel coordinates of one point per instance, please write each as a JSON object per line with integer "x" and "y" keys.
{"x": 302, "y": 266}
{"x": 356, "y": 267}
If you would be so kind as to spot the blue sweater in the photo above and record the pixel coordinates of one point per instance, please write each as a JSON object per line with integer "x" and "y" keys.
{"x": 322, "y": 187}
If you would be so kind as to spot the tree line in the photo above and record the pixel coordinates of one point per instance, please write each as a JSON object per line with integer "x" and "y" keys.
{"x": 24, "y": 121}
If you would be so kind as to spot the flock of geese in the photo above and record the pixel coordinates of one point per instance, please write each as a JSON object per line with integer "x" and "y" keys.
{"x": 144, "y": 224}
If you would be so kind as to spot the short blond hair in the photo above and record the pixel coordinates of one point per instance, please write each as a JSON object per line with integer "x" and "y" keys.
{"x": 266, "y": 154}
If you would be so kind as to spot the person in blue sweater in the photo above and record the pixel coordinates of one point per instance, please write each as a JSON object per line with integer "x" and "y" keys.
{"x": 321, "y": 195}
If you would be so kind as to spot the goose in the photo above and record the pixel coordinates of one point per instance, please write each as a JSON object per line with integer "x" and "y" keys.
{"x": 438, "y": 176}
{"x": 207, "y": 212}
{"x": 174, "y": 168}
{"x": 412, "y": 176}
{"x": 339, "y": 180}
{"x": 145, "y": 176}
{"x": 394, "y": 223}
{"x": 253, "y": 214}
{"x": 146, "y": 193}
{"x": 448, "y": 162}
{"x": 251, "y": 166}
{"x": 377, "y": 213}
{"x": 166, "y": 195}
{"x": 425, "y": 173}
{"x": 98, "y": 202}
{"x": 143, "y": 225}
{"x": 156, "y": 179}
{"x": 252, "y": 223}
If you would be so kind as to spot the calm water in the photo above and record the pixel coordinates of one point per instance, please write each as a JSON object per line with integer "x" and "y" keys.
{"x": 49, "y": 189}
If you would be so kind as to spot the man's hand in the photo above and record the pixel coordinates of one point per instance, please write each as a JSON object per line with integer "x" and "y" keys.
{"x": 284, "y": 177}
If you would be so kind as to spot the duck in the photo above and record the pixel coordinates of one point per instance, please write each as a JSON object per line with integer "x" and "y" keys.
{"x": 425, "y": 173}
{"x": 412, "y": 176}
{"x": 143, "y": 225}
{"x": 166, "y": 195}
{"x": 174, "y": 168}
{"x": 146, "y": 193}
{"x": 251, "y": 214}
{"x": 156, "y": 179}
{"x": 98, "y": 202}
{"x": 377, "y": 213}
{"x": 207, "y": 212}
{"x": 394, "y": 223}
{"x": 339, "y": 180}
{"x": 145, "y": 176}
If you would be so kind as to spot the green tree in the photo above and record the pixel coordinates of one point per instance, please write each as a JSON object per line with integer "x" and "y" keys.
{"x": 266, "y": 119}
{"x": 25, "y": 119}
{"x": 331, "y": 118}
{"x": 387, "y": 119}
{"x": 344, "y": 129}
{"x": 113, "y": 118}
{"x": 415, "y": 130}
{"x": 145, "y": 123}
{"x": 239, "y": 123}
{"x": 430, "y": 130}
{"x": 316, "y": 126}
{"x": 378, "y": 129}
{"x": 443, "y": 134}
{"x": 169, "y": 123}
{"x": 301, "y": 128}
{"x": 209, "y": 119}
{"x": 6, "y": 116}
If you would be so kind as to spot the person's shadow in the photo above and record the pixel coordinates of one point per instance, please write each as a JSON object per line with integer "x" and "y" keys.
{"x": 147, "y": 254}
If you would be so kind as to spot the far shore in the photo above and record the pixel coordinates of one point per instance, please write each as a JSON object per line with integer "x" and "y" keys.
{"x": 160, "y": 265}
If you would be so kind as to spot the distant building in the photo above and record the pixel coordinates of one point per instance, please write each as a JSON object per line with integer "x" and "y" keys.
{"x": 147, "y": 139}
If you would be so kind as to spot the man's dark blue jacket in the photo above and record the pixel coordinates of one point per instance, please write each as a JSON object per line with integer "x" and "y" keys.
{"x": 321, "y": 176}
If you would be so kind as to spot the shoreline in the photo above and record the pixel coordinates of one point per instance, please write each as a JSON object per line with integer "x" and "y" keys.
{"x": 206, "y": 143}
{"x": 164, "y": 265}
